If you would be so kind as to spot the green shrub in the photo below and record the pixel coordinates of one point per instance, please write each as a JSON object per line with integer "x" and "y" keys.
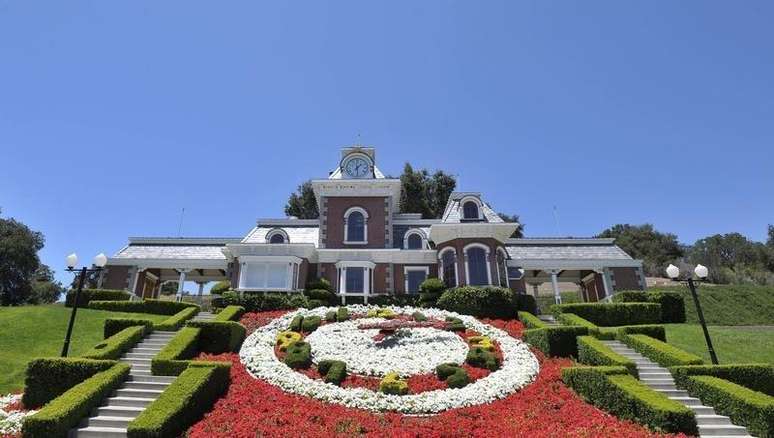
{"x": 418, "y": 316}
{"x": 230, "y": 313}
{"x": 115, "y": 325}
{"x": 459, "y": 379}
{"x": 342, "y": 314}
{"x": 615, "y": 314}
{"x": 752, "y": 409}
{"x": 48, "y": 378}
{"x": 592, "y": 351}
{"x": 655, "y": 331}
{"x": 263, "y": 301}
{"x": 624, "y": 396}
{"x": 155, "y": 307}
{"x": 330, "y": 316}
{"x": 573, "y": 319}
{"x": 299, "y": 355}
{"x": 319, "y": 283}
{"x": 666, "y": 355}
{"x": 333, "y": 371}
{"x": 219, "y": 336}
{"x": 456, "y": 324}
{"x": 755, "y": 376}
{"x": 444, "y": 370}
{"x": 172, "y": 359}
{"x": 174, "y": 322}
{"x": 66, "y": 411}
{"x": 630, "y": 296}
{"x": 672, "y": 303}
{"x": 313, "y": 304}
{"x": 392, "y": 384}
{"x": 183, "y": 402}
{"x": 526, "y": 303}
{"x": 220, "y": 287}
{"x": 430, "y": 291}
{"x": 481, "y": 358}
{"x": 531, "y": 321}
{"x": 492, "y": 302}
{"x": 295, "y": 323}
{"x": 395, "y": 300}
{"x": 96, "y": 294}
{"x": 310, "y": 323}
{"x": 556, "y": 341}
{"x": 115, "y": 346}
{"x": 320, "y": 294}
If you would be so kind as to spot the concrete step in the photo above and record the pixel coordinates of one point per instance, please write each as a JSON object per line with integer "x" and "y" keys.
{"x": 712, "y": 419}
{"x": 97, "y": 432}
{"x": 145, "y": 362}
{"x": 138, "y": 393}
{"x": 702, "y": 410}
{"x": 658, "y": 375}
{"x": 140, "y": 373}
{"x": 141, "y": 369}
{"x": 117, "y": 411}
{"x": 151, "y": 344}
{"x": 673, "y": 392}
{"x": 148, "y": 356}
{"x": 661, "y": 386}
{"x": 158, "y": 386}
{"x": 133, "y": 402}
{"x": 656, "y": 380}
{"x": 652, "y": 369}
{"x": 687, "y": 401}
{"x": 105, "y": 421}
{"x": 145, "y": 350}
{"x": 154, "y": 379}
{"x": 722, "y": 429}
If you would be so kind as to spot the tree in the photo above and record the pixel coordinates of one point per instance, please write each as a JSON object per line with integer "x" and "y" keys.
{"x": 656, "y": 249}
{"x": 732, "y": 258}
{"x": 441, "y": 187}
{"x": 44, "y": 287}
{"x": 515, "y": 219}
{"x": 19, "y": 261}
{"x": 303, "y": 204}
{"x": 220, "y": 287}
{"x": 169, "y": 288}
{"x": 770, "y": 241}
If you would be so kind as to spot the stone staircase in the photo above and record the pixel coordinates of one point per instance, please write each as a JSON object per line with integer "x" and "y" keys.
{"x": 548, "y": 319}
{"x": 659, "y": 379}
{"x": 140, "y": 389}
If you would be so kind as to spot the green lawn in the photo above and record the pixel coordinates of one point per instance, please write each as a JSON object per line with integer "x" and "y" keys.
{"x": 729, "y": 304}
{"x": 28, "y": 332}
{"x": 732, "y": 343}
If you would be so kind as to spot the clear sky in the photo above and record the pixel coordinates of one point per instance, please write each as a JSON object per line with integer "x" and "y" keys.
{"x": 116, "y": 115}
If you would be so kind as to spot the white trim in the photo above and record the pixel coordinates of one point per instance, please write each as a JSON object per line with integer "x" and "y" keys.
{"x": 500, "y": 231}
{"x": 555, "y": 286}
{"x": 486, "y": 259}
{"x": 292, "y": 267}
{"x": 441, "y": 267}
{"x": 362, "y": 211}
{"x": 559, "y": 241}
{"x": 474, "y": 199}
{"x": 505, "y": 263}
{"x": 277, "y": 231}
{"x": 170, "y": 263}
{"x": 349, "y": 157}
{"x": 270, "y": 259}
{"x": 421, "y": 234}
{"x": 267, "y": 222}
{"x": 406, "y": 269}
{"x": 574, "y": 264}
{"x": 377, "y": 255}
{"x": 355, "y": 264}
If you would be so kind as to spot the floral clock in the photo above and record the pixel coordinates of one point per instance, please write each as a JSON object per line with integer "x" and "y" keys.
{"x": 309, "y": 352}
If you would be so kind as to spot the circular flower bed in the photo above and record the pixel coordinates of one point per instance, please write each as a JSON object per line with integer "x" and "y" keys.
{"x": 518, "y": 368}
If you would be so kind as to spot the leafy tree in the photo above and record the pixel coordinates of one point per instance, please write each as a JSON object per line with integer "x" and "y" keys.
{"x": 19, "y": 261}
{"x": 656, "y": 249}
{"x": 513, "y": 218}
{"x": 303, "y": 204}
{"x": 733, "y": 258}
{"x": 44, "y": 287}
{"x": 770, "y": 241}
{"x": 169, "y": 288}
{"x": 220, "y": 287}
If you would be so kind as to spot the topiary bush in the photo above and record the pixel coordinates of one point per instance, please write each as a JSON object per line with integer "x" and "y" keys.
{"x": 115, "y": 325}
{"x": 156, "y": 307}
{"x": 418, "y": 316}
{"x": 173, "y": 358}
{"x": 482, "y": 358}
{"x": 672, "y": 303}
{"x": 319, "y": 283}
{"x": 330, "y": 316}
{"x": 401, "y": 300}
{"x": 591, "y": 351}
{"x": 115, "y": 346}
{"x": 342, "y": 314}
{"x": 295, "y": 323}
{"x": 320, "y": 294}
{"x": 456, "y": 324}
{"x": 299, "y": 355}
{"x": 48, "y": 378}
{"x": 219, "y": 336}
{"x": 220, "y": 287}
{"x": 333, "y": 371}
{"x": 664, "y": 354}
{"x": 178, "y": 320}
{"x": 313, "y": 304}
{"x": 430, "y": 291}
{"x": 310, "y": 323}
{"x": 655, "y": 331}
{"x": 459, "y": 379}
{"x": 614, "y": 314}
{"x": 531, "y": 321}
{"x": 557, "y": 341}
{"x": 573, "y": 319}
{"x": 526, "y": 303}
{"x": 445, "y": 370}
{"x": 88, "y": 295}
{"x": 392, "y": 384}
{"x": 488, "y": 301}
{"x": 230, "y": 313}
{"x": 756, "y": 376}
{"x": 630, "y": 296}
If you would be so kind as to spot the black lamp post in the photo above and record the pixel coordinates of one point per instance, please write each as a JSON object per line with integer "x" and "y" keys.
{"x": 701, "y": 272}
{"x": 72, "y": 260}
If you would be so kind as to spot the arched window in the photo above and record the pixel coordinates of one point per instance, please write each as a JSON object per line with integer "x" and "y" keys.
{"x": 277, "y": 236}
{"x": 477, "y": 265}
{"x": 502, "y": 267}
{"x": 449, "y": 268}
{"x": 355, "y": 226}
{"x": 414, "y": 239}
{"x": 470, "y": 210}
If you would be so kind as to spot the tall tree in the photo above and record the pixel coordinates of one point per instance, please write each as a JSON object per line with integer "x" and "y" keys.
{"x": 733, "y": 258}
{"x": 44, "y": 287}
{"x": 513, "y": 218}
{"x": 19, "y": 261}
{"x": 770, "y": 241}
{"x": 441, "y": 187}
{"x": 423, "y": 193}
{"x": 656, "y": 249}
{"x": 302, "y": 203}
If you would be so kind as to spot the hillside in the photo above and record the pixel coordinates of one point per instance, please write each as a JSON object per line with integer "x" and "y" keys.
{"x": 729, "y": 304}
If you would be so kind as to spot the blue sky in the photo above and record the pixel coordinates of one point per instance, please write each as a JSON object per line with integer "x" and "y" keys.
{"x": 115, "y": 115}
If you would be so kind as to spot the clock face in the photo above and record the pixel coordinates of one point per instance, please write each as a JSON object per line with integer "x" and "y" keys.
{"x": 357, "y": 167}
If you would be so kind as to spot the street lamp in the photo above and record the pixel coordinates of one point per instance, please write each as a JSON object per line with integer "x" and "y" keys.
{"x": 701, "y": 272}
{"x": 72, "y": 261}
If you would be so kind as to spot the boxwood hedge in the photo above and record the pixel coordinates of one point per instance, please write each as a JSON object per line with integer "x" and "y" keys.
{"x": 556, "y": 340}
{"x": 592, "y": 351}
{"x": 115, "y": 325}
{"x": 118, "y": 344}
{"x": 611, "y": 389}
{"x": 57, "y": 417}
{"x": 664, "y": 354}
{"x": 173, "y": 358}
{"x": 174, "y": 322}
{"x": 613, "y": 314}
{"x": 95, "y": 294}
{"x": 156, "y": 307}
{"x": 753, "y": 409}
{"x": 48, "y": 378}
{"x": 487, "y": 301}
{"x": 573, "y": 319}
{"x": 655, "y": 331}
{"x": 230, "y": 313}
{"x": 531, "y": 321}
{"x": 672, "y": 303}
{"x": 219, "y": 336}
{"x": 183, "y": 402}
{"x": 756, "y": 376}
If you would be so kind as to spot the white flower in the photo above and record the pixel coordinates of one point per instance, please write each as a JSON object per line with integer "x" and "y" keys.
{"x": 11, "y": 421}
{"x": 518, "y": 369}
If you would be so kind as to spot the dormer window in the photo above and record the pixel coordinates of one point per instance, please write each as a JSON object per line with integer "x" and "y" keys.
{"x": 414, "y": 239}
{"x": 356, "y": 226}
{"x": 470, "y": 210}
{"x": 277, "y": 236}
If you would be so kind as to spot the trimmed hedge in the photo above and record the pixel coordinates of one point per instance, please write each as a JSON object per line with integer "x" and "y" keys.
{"x": 526, "y": 303}
{"x": 96, "y": 294}
{"x": 592, "y": 351}
{"x": 115, "y": 325}
{"x": 172, "y": 359}
{"x": 430, "y": 291}
{"x": 333, "y": 371}
{"x": 342, "y": 314}
{"x": 299, "y": 355}
{"x": 753, "y": 409}
{"x": 66, "y": 411}
{"x": 615, "y": 314}
{"x": 655, "y": 331}
{"x": 491, "y": 302}
{"x": 556, "y": 341}
{"x": 48, "y": 378}
{"x": 664, "y": 354}
{"x": 573, "y": 319}
{"x": 183, "y": 402}
{"x": 624, "y": 396}
{"x": 219, "y": 336}
{"x": 113, "y": 347}
{"x": 156, "y": 307}
{"x": 672, "y": 303}
{"x": 531, "y": 321}
{"x": 176, "y": 321}
{"x": 310, "y": 323}
{"x": 482, "y": 358}
{"x": 400, "y": 300}
{"x": 230, "y": 313}
{"x": 756, "y": 376}
{"x": 262, "y": 301}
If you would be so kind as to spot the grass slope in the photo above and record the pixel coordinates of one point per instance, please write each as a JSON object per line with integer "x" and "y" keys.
{"x": 732, "y": 344}
{"x": 28, "y": 332}
{"x": 729, "y": 304}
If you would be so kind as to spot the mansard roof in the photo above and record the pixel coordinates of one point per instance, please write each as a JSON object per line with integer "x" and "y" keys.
{"x": 177, "y": 248}
{"x": 452, "y": 212}
{"x": 298, "y": 230}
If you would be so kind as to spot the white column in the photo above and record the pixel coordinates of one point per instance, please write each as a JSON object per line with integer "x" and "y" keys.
{"x": 201, "y": 289}
{"x": 180, "y": 285}
{"x": 606, "y": 281}
{"x": 535, "y": 287}
{"x": 555, "y": 285}
{"x": 343, "y": 285}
